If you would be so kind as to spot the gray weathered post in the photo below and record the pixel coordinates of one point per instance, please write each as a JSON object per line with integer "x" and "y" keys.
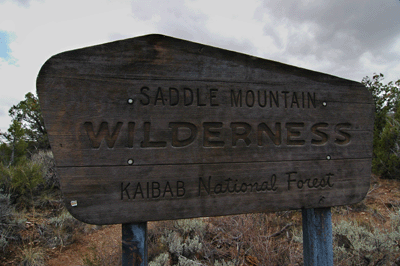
{"x": 317, "y": 237}
{"x": 134, "y": 244}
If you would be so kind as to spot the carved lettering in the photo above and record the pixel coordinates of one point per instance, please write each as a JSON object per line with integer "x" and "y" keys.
{"x": 180, "y": 189}
{"x": 213, "y": 97}
{"x": 261, "y": 102}
{"x": 199, "y": 100}
{"x": 285, "y": 93}
{"x": 294, "y": 181}
{"x": 344, "y": 137}
{"x": 236, "y": 99}
{"x": 259, "y": 98}
{"x": 168, "y": 189}
{"x": 212, "y": 134}
{"x": 311, "y": 99}
{"x": 131, "y": 134}
{"x": 146, "y": 143}
{"x": 152, "y": 190}
{"x": 138, "y": 190}
{"x": 323, "y": 137}
{"x": 124, "y": 189}
{"x": 143, "y": 91}
{"x": 275, "y": 137}
{"x": 102, "y": 133}
{"x": 218, "y": 134}
{"x": 183, "y": 96}
{"x": 250, "y": 98}
{"x": 294, "y": 101}
{"x": 176, "y": 127}
{"x": 240, "y": 131}
{"x": 235, "y": 186}
{"x": 159, "y": 97}
{"x": 188, "y": 96}
{"x": 274, "y": 98}
{"x": 293, "y": 132}
{"x": 173, "y": 96}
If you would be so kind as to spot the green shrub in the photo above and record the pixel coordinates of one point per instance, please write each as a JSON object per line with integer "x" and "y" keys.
{"x": 21, "y": 180}
{"x": 386, "y": 128}
{"x": 387, "y": 149}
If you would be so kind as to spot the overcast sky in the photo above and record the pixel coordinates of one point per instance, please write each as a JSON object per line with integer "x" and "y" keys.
{"x": 346, "y": 38}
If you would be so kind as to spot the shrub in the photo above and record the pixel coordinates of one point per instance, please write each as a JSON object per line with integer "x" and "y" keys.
{"x": 223, "y": 263}
{"x": 357, "y": 245}
{"x": 21, "y": 180}
{"x": 387, "y": 149}
{"x": 5, "y": 215}
{"x": 61, "y": 230}
{"x": 386, "y": 128}
{"x": 31, "y": 256}
{"x": 179, "y": 242}
{"x": 46, "y": 160}
{"x": 161, "y": 260}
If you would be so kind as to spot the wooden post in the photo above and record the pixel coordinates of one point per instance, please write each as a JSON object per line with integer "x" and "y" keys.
{"x": 317, "y": 237}
{"x": 134, "y": 244}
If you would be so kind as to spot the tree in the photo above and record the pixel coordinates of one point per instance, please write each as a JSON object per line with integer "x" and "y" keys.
{"x": 386, "y": 160}
{"x": 14, "y": 149}
{"x": 26, "y": 133}
{"x": 29, "y": 114}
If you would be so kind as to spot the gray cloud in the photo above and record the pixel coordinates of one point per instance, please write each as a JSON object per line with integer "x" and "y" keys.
{"x": 338, "y": 30}
{"x": 329, "y": 36}
{"x": 180, "y": 21}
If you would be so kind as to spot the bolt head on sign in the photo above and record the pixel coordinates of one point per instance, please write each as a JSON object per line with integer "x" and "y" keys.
{"x": 156, "y": 128}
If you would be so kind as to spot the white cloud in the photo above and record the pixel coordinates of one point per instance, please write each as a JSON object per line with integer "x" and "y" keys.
{"x": 350, "y": 39}
{"x": 47, "y": 28}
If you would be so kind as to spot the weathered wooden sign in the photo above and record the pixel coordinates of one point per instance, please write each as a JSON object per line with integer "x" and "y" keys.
{"x": 155, "y": 128}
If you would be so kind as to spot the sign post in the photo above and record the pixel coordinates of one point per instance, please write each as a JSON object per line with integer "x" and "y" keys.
{"x": 157, "y": 128}
{"x": 134, "y": 244}
{"x": 317, "y": 237}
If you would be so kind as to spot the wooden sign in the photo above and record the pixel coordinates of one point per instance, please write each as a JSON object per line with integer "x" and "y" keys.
{"x": 155, "y": 128}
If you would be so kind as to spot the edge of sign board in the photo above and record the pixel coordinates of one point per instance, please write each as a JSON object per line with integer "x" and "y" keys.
{"x": 95, "y": 65}
{"x": 50, "y": 66}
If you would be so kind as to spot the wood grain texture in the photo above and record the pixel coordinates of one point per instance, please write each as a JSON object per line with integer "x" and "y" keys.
{"x": 166, "y": 115}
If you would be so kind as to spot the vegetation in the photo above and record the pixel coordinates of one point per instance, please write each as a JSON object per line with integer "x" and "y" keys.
{"x": 386, "y": 141}
{"x": 26, "y": 134}
{"x": 32, "y": 216}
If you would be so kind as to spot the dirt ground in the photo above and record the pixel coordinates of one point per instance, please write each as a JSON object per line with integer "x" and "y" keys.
{"x": 108, "y": 237}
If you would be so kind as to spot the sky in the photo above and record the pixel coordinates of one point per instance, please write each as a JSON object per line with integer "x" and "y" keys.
{"x": 348, "y": 39}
